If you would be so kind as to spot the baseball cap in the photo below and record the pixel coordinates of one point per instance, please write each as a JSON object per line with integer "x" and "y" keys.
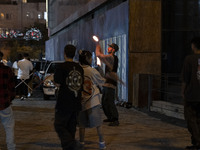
{"x": 114, "y": 46}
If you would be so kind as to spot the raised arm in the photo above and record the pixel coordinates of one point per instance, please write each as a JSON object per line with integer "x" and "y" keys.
{"x": 106, "y": 59}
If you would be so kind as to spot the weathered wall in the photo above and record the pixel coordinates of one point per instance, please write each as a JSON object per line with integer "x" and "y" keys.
{"x": 18, "y": 18}
{"x": 110, "y": 23}
{"x": 105, "y": 23}
{"x": 62, "y": 13}
{"x": 144, "y": 43}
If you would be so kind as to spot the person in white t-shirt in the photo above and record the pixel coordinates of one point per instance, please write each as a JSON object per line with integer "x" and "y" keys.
{"x": 25, "y": 67}
{"x": 90, "y": 116}
{"x": 15, "y": 70}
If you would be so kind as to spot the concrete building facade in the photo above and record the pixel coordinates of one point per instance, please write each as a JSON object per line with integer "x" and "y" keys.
{"x": 18, "y": 14}
{"x": 135, "y": 25}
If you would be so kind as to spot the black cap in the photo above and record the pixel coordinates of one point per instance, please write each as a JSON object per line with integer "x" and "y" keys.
{"x": 114, "y": 46}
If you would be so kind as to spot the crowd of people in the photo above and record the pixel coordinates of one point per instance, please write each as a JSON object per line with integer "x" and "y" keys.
{"x": 83, "y": 84}
{"x": 79, "y": 82}
{"x": 79, "y": 98}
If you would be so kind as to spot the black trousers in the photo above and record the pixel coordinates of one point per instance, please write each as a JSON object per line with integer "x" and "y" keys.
{"x": 65, "y": 126}
{"x": 192, "y": 117}
{"x": 108, "y": 104}
{"x": 23, "y": 88}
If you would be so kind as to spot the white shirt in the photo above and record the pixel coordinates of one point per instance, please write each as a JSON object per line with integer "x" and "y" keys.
{"x": 92, "y": 79}
{"x": 25, "y": 66}
{"x": 15, "y": 67}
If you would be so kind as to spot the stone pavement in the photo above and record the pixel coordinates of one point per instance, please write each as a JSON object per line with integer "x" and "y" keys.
{"x": 137, "y": 131}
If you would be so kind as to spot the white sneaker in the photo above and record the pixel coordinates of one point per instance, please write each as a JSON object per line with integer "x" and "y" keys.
{"x": 29, "y": 95}
{"x": 102, "y": 145}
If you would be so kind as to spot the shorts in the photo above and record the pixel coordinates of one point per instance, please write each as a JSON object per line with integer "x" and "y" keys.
{"x": 90, "y": 118}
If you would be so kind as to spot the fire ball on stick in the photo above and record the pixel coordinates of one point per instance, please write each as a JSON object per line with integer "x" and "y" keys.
{"x": 95, "y": 38}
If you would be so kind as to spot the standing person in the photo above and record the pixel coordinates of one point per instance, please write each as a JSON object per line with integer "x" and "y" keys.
{"x": 15, "y": 70}
{"x": 108, "y": 97}
{"x": 191, "y": 94}
{"x": 25, "y": 67}
{"x": 69, "y": 78}
{"x": 90, "y": 116}
{"x": 7, "y": 94}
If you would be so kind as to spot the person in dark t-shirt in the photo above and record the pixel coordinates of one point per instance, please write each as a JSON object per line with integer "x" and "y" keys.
{"x": 108, "y": 97}
{"x": 69, "y": 79}
{"x": 191, "y": 93}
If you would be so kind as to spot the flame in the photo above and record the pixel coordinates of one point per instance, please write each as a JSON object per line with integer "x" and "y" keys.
{"x": 98, "y": 61}
{"x": 95, "y": 38}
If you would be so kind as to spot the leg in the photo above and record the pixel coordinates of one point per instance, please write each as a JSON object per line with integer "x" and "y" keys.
{"x": 81, "y": 134}
{"x": 105, "y": 106}
{"x": 19, "y": 87}
{"x": 113, "y": 109}
{"x": 72, "y": 124}
{"x": 25, "y": 86}
{"x": 191, "y": 119}
{"x": 8, "y": 123}
{"x": 102, "y": 144}
{"x": 100, "y": 134}
{"x": 197, "y": 129}
{"x": 30, "y": 87}
{"x": 62, "y": 128}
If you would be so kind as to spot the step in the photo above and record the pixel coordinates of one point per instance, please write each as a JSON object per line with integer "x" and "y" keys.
{"x": 168, "y": 109}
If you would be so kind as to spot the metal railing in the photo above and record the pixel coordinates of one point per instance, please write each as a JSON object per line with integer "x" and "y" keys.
{"x": 165, "y": 87}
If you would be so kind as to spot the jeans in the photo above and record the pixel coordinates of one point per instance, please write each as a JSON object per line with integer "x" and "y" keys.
{"x": 108, "y": 104}
{"x": 7, "y": 119}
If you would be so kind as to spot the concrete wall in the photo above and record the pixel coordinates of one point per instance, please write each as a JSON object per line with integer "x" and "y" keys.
{"x": 135, "y": 25}
{"x": 144, "y": 46}
{"x": 104, "y": 23}
{"x": 14, "y": 22}
{"x": 109, "y": 22}
{"x": 18, "y": 15}
{"x": 63, "y": 9}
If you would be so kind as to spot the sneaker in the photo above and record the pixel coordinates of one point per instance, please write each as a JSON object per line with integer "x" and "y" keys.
{"x": 107, "y": 120}
{"x": 29, "y": 95}
{"x": 102, "y": 145}
{"x": 114, "y": 123}
{"x": 23, "y": 98}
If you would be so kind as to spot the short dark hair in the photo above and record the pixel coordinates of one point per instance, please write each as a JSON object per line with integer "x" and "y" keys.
{"x": 1, "y": 55}
{"x": 19, "y": 56}
{"x": 70, "y": 50}
{"x": 196, "y": 42}
{"x": 25, "y": 54}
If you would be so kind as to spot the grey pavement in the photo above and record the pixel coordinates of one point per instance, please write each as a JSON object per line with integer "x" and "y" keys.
{"x": 137, "y": 130}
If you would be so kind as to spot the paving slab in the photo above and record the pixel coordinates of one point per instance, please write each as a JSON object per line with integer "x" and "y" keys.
{"x": 137, "y": 130}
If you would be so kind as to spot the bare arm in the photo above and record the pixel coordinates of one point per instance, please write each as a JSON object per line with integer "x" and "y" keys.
{"x": 106, "y": 59}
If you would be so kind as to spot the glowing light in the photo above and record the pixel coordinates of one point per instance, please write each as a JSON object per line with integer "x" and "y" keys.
{"x": 95, "y": 38}
{"x": 98, "y": 61}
